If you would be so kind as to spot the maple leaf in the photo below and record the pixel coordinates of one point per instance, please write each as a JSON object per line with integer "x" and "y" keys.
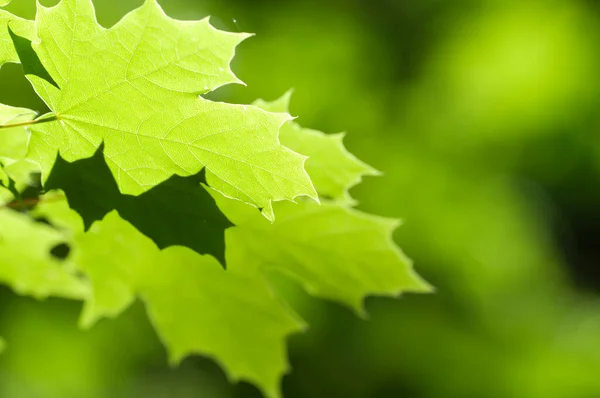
{"x": 134, "y": 87}
{"x": 331, "y": 167}
{"x": 195, "y": 305}
{"x": 335, "y": 252}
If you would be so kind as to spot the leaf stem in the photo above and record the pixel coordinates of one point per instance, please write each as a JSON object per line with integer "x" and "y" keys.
{"x": 41, "y": 119}
{"x": 8, "y": 126}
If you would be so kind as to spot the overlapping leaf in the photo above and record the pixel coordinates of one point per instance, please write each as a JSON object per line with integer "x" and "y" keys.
{"x": 245, "y": 332}
{"x": 15, "y": 171}
{"x": 336, "y": 252}
{"x": 26, "y": 260}
{"x": 13, "y": 141}
{"x": 331, "y": 167}
{"x": 129, "y": 96}
{"x": 195, "y": 305}
{"x": 135, "y": 87}
{"x": 29, "y": 260}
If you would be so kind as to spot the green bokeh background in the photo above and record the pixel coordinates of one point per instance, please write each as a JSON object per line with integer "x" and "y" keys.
{"x": 484, "y": 117}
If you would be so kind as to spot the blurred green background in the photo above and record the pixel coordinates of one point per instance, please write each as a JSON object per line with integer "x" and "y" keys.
{"x": 484, "y": 117}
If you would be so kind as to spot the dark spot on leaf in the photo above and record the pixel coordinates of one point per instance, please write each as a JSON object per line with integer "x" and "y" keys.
{"x": 43, "y": 220}
{"x": 61, "y": 251}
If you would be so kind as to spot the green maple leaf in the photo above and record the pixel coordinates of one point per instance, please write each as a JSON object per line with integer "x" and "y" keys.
{"x": 336, "y": 252}
{"x": 195, "y": 305}
{"x": 135, "y": 88}
{"x": 26, "y": 260}
{"x": 331, "y": 167}
{"x": 20, "y": 26}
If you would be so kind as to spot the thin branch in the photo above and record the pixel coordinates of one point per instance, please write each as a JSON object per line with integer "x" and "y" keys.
{"x": 30, "y": 202}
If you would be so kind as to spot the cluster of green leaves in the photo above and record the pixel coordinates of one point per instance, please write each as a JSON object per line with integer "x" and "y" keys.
{"x": 137, "y": 186}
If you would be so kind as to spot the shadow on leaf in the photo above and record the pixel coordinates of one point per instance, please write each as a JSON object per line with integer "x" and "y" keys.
{"x": 29, "y": 59}
{"x": 177, "y": 212}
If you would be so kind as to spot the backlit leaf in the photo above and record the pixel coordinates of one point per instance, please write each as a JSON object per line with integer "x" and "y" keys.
{"x": 135, "y": 88}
